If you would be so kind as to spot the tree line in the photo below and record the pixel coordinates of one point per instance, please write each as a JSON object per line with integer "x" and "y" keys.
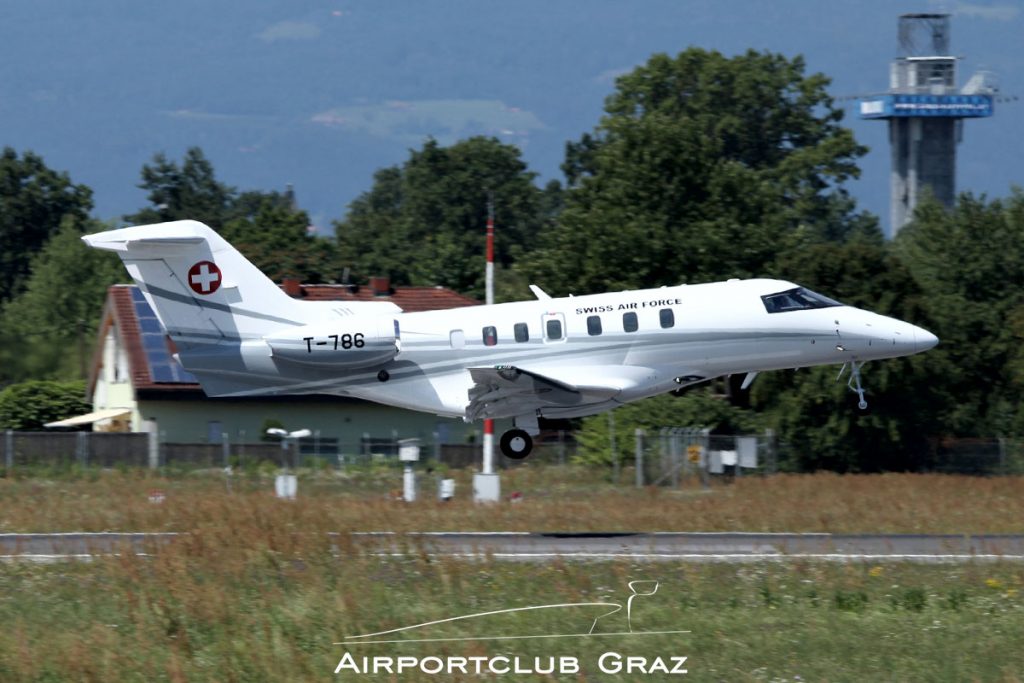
{"x": 702, "y": 167}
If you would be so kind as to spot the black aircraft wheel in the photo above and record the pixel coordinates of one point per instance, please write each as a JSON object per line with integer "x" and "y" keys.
{"x": 516, "y": 444}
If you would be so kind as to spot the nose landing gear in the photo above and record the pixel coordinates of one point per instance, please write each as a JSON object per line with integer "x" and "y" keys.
{"x": 854, "y": 382}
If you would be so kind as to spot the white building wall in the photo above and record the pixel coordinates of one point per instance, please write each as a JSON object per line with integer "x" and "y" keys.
{"x": 113, "y": 383}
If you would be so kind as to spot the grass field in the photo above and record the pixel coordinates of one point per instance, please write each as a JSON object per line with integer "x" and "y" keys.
{"x": 554, "y": 499}
{"x": 244, "y": 597}
{"x": 264, "y": 608}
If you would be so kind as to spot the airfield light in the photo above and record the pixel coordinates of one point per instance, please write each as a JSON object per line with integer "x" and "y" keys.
{"x": 286, "y": 485}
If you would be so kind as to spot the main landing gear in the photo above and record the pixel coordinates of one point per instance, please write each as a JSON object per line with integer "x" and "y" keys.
{"x": 854, "y": 382}
{"x": 516, "y": 444}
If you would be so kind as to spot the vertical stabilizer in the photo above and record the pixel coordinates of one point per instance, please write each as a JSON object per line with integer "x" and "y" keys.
{"x": 201, "y": 288}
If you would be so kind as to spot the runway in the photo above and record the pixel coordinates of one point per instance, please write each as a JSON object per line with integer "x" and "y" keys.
{"x": 544, "y": 547}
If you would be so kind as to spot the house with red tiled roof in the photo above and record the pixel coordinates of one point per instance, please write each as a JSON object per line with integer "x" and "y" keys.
{"x": 136, "y": 384}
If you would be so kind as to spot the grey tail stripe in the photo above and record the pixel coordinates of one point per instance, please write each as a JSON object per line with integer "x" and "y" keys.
{"x": 182, "y": 299}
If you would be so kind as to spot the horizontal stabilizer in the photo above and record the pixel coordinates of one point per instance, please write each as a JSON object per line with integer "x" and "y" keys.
{"x": 167, "y": 235}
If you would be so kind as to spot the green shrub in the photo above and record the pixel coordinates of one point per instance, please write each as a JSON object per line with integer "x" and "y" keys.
{"x": 30, "y": 405}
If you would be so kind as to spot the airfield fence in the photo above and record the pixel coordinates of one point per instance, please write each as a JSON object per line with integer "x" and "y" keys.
{"x": 663, "y": 457}
{"x": 672, "y": 455}
{"x": 23, "y": 450}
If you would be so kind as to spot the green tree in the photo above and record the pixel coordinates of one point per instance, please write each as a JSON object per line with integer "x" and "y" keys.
{"x": 815, "y": 415}
{"x": 702, "y": 168}
{"x": 189, "y": 191}
{"x": 698, "y": 408}
{"x": 33, "y": 201}
{"x": 47, "y": 331}
{"x": 423, "y": 223}
{"x": 30, "y": 405}
{"x": 970, "y": 264}
{"x": 267, "y": 227}
{"x": 274, "y": 236}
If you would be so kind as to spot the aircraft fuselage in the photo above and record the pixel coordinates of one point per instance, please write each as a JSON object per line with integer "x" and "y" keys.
{"x": 645, "y": 342}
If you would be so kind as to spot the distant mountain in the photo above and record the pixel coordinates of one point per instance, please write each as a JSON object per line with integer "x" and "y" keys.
{"x": 321, "y": 94}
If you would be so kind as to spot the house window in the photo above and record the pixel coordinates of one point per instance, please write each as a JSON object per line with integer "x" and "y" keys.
{"x": 121, "y": 373}
{"x": 490, "y": 334}
{"x": 522, "y": 332}
{"x": 629, "y": 322}
{"x": 667, "y": 317}
{"x": 214, "y": 432}
{"x": 594, "y": 325}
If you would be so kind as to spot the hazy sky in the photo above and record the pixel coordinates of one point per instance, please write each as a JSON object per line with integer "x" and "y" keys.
{"x": 322, "y": 93}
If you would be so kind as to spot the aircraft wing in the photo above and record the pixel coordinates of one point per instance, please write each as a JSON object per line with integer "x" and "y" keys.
{"x": 507, "y": 390}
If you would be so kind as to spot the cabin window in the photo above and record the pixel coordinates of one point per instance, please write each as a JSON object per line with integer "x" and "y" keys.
{"x": 553, "y": 329}
{"x": 522, "y": 332}
{"x": 457, "y": 338}
{"x": 629, "y": 322}
{"x": 594, "y": 325}
{"x": 667, "y": 318}
{"x": 490, "y": 336}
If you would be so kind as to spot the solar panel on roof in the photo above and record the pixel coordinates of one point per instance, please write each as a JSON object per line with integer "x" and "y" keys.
{"x": 161, "y": 372}
{"x": 181, "y": 374}
{"x": 154, "y": 343}
{"x": 163, "y": 368}
{"x": 150, "y": 326}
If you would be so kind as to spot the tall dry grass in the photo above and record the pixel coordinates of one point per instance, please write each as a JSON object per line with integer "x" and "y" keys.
{"x": 259, "y": 590}
{"x": 554, "y": 499}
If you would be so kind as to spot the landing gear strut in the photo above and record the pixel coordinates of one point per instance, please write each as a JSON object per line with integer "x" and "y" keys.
{"x": 516, "y": 444}
{"x": 854, "y": 382}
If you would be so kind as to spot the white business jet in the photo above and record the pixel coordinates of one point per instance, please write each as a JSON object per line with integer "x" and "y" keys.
{"x": 241, "y": 335}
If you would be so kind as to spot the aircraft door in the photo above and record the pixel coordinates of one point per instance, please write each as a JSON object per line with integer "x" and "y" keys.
{"x": 553, "y": 325}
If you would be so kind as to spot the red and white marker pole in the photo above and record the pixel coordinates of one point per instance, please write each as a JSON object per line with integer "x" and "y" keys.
{"x": 488, "y": 464}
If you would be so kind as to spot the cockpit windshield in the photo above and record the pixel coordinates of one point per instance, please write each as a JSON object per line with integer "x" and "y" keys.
{"x": 799, "y": 299}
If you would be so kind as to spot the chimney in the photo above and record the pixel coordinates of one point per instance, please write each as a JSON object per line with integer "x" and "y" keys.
{"x": 380, "y": 285}
{"x": 292, "y": 287}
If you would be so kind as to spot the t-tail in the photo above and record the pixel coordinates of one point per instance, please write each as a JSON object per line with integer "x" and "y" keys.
{"x": 200, "y": 287}
{"x": 232, "y": 325}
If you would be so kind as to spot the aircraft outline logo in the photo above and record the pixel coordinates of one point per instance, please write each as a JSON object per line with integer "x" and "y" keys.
{"x": 633, "y": 587}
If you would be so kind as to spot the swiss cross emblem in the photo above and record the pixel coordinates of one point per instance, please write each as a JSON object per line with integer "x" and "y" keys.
{"x": 204, "y": 277}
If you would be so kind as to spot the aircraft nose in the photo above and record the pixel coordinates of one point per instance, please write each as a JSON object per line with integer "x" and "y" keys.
{"x": 923, "y": 339}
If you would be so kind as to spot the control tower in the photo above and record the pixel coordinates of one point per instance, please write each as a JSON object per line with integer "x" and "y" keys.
{"x": 925, "y": 112}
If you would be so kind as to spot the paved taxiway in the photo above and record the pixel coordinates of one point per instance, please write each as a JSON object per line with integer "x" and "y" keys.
{"x": 692, "y": 547}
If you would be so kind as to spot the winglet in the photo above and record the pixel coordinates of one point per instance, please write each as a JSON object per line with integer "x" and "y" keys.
{"x": 539, "y": 293}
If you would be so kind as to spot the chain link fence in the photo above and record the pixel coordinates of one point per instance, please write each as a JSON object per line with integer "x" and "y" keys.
{"x": 668, "y": 456}
{"x": 979, "y": 456}
{"x": 662, "y": 457}
{"x": 671, "y": 455}
{"x": 23, "y": 450}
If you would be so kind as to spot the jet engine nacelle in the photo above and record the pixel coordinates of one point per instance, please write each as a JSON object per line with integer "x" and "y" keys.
{"x": 348, "y": 343}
